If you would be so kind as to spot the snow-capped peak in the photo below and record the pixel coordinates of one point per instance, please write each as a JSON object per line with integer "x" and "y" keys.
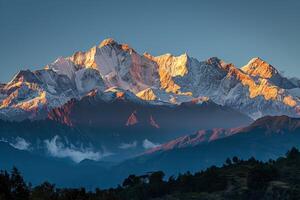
{"x": 63, "y": 66}
{"x": 174, "y": 65}
{"x": 258, "y": 67}
{"x": 112, "y": 43}
{"x": 108, "y": 41}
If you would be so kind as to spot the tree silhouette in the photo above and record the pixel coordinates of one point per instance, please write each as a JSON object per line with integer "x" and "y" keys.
{"x": 19, "y": 189}
{"x": 45, "y": 191}
{"x": 276, "y": 179}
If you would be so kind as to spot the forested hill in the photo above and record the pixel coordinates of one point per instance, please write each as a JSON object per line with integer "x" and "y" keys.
{"x": 236, "y": 179}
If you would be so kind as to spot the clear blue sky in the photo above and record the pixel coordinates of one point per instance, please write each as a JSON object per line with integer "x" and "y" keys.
{"x": 34, "y": 33}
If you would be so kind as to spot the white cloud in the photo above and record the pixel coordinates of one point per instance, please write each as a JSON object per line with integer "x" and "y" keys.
{"x": 21, "y": 144}
{"x": 58, "y": 149}
{"x": 18, "y": 143}
{"x": 147, "y": 144}
{"x": 128, "y": 145}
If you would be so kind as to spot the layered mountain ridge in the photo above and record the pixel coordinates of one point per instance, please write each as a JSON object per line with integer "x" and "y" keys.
{"x": 266, "y": 138}
{"x": 268, "y": 125}
{"x": 257, "y": 89}
{"x": 116, "y": 108}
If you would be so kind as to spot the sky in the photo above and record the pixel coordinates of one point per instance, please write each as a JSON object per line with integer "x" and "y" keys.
{"x": 33, "y": 33}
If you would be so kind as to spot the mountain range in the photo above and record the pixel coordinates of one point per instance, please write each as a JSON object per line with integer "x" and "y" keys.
{"x": 256, "y": 89}
{"x": 110, "y": 112}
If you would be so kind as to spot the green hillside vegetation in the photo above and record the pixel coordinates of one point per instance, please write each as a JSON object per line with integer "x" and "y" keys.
{"x": 236, "y": 179}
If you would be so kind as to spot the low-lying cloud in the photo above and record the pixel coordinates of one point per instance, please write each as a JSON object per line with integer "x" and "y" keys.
{"x": 128, "y": 145}
{"x": 147, "y": 144}
{"x": 57, "y": 148}
{"x": 18, "y": 143}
